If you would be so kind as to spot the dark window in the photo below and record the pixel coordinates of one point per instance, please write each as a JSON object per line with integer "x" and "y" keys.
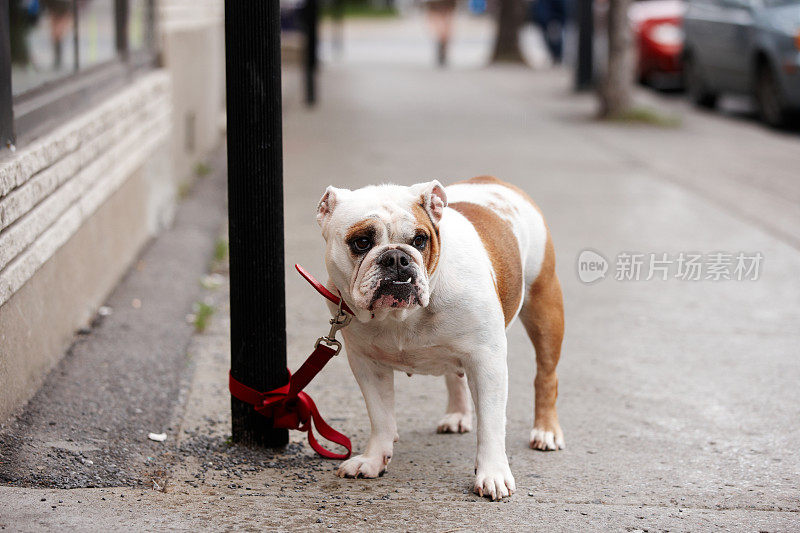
{"x": 61, "y": 53}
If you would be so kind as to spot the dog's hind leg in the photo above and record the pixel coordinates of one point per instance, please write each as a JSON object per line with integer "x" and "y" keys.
{"x": 458, "y": 417}
{"x": 542, "y": 314}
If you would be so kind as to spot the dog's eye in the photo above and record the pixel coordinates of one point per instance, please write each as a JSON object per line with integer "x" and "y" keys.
{"x": 420, "y": 241}
{"x": 362, "y": 244}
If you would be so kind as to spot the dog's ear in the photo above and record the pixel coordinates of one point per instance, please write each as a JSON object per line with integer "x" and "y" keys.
{"x": 432, "y": 199}
{"x": 327, "y": 204}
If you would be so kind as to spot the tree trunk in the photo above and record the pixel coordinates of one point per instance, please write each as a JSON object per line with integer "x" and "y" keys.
{"x": 616, "y": 92}
{"x": 506, "y": 45}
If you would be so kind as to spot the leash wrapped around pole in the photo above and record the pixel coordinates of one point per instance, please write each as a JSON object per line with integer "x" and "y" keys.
{"x": 288, "y": 406}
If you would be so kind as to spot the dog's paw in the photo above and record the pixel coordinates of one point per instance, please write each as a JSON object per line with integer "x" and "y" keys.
{"x": 494, "y": 481}
{"x": 547, "y": 439}
{"x": 455, "y": 423}
{"x": 363, "y": 466}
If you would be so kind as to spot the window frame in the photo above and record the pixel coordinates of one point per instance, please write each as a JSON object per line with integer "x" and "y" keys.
{"x": 26, "y": 115}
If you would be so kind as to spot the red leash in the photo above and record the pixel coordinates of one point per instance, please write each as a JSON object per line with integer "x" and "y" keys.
{"x": 322, "y": 290}
{"x": 290, "y": 407}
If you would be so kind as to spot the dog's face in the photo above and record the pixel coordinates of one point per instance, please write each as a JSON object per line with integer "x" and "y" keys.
{"x": 383, "y": 245}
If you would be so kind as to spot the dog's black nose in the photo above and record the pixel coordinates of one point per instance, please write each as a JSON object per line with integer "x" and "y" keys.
{"x": 397, "y": 260}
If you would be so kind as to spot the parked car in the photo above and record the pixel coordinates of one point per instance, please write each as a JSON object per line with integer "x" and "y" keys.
{"x": 747, "y": 47}
{"x": 658, "y": 32}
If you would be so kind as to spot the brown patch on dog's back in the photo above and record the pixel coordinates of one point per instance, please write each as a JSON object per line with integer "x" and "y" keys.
{"x": 491, "y": 180}
{"x": 430, "y": 254}
{"x": 503, "y": 248}
{"x": 482, "y": 180}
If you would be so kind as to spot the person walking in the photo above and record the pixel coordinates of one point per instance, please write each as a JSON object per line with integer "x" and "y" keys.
{"x": 551, "y": 17}
{"x": 440, "y": 15}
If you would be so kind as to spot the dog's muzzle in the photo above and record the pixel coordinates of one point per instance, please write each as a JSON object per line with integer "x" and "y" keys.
{"x": 398, "y": 284}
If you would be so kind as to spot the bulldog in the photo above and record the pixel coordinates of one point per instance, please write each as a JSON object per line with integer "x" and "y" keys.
{"x": 434, "y": 276}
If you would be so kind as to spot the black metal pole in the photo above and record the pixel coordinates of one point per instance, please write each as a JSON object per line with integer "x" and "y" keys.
{"x": 584, "y": 70}
{"x": 255, "y": 210}
{"x": 311, "y": 17}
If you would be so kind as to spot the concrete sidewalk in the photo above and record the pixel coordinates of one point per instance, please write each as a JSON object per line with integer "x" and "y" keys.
{"x": 678, "y": 399}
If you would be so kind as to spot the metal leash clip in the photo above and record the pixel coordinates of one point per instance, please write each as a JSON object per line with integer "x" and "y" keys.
{"x": 338, "y": 322}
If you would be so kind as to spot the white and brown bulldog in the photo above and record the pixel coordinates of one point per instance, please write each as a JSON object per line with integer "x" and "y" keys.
{"x": 434, "y": 276}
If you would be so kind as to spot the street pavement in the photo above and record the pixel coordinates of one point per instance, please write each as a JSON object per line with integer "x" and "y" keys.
{"x": 678, "y": 398}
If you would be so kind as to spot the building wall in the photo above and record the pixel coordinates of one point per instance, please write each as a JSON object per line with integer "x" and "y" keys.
{"x": 77, "y": 204}
{"x": 193, "y": 49}
{"x": 39, "y": 320}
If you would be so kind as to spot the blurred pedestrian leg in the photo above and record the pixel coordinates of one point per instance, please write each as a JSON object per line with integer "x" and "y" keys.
{"x": 550, "y": 16}
{"x": 440, "y": 18}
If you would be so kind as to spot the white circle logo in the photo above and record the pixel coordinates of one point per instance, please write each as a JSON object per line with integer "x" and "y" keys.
{"x": 592, "y": 266}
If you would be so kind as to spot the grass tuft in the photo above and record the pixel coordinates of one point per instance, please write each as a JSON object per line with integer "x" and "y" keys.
{"x": 220, "y": 250}
{"x": 646, "y": 116}
{"x": 201, "y": 169}
{"x": 202, "y": 315}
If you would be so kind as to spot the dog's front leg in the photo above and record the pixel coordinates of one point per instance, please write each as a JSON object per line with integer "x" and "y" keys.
{"x": 377, "y": 386}
{"x": 487, "y": 374}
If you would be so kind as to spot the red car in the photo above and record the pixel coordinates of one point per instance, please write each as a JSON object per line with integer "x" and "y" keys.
{"x": 658, "y": 32}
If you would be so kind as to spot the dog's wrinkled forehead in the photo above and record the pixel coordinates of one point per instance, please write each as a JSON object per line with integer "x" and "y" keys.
{"x": 389, "y": 208}
{"x": 390, "y": 222}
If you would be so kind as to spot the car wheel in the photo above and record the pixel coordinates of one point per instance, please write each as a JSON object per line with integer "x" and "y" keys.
{"x": 696, "y": 86}
{"x": 769, "y": 98}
